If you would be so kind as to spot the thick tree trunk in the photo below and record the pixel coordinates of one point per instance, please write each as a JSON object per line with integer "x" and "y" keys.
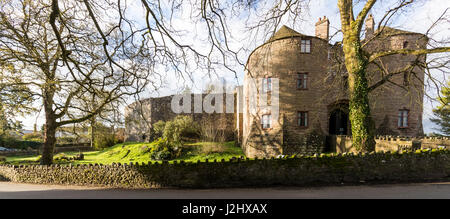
{"x": 49, "y": 139}
{"x": 50, "y": 127}
{"x": 360, "y": 116}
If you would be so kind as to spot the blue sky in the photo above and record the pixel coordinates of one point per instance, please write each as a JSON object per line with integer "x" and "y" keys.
{"x": 417, "y": 19}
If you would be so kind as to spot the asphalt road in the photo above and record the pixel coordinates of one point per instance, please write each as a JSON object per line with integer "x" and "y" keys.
{"x": 419, "y": 190}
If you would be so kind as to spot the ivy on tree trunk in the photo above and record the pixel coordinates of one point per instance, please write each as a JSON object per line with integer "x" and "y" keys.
{"x": 361, "y": 121}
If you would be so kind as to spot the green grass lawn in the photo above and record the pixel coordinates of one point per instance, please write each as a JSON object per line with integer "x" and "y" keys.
{"x": 139, "y": 152}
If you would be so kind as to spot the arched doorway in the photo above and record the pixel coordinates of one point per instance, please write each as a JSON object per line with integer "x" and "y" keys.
{"x": 338, "y": 124}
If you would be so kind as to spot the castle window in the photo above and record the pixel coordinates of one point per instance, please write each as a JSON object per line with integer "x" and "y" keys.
{"x": 403, "y": 118}
{"x": 302, "y": 81}
{"x": 305, "y": 46}
{"x": 266, "y": 85}
{"x": 303, "y": 119}
{"x": 266, "y": 121}
{"x": 405, "y": 45}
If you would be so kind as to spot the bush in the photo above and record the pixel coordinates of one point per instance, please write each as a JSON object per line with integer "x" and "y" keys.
{"x": 63, "y": 157}
{"x": 8, "y": 141}
{"x": 2, "y": 159}
{"x": 120, "y": 136}
{"x": 21, "y": 145}
{"x": 104, "y": 141}
{"x": 66, "y": 140}
{"x": 158, "y": 129}
{"x": 35, "y": 136}
{"x": 181, "y": 126}
{"x": 60, "y": 157}
{"x": 209, "y": 132}
{"x": 164, "y": 150}
{"x": 169, "y": 137}
{"x": 79, "y": 156}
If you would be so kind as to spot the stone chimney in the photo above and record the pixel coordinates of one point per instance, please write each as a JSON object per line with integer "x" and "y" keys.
{"x": 323, "y": 28}
{"x": 370, "y": 25}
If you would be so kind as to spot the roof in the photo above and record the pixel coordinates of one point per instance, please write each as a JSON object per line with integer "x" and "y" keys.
{"x": 284, "y": 32}
{"x": 389, "y": 31}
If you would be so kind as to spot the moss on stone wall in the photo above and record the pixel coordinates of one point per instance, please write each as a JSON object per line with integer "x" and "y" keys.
{"x": 295, "y": 171}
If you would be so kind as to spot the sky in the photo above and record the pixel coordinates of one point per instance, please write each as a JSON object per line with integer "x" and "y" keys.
{"x": 418, "y": 20}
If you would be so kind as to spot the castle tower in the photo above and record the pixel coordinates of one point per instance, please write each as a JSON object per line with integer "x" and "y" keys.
{"x": 397, "y": 106}
{"x": 295, "y": 64}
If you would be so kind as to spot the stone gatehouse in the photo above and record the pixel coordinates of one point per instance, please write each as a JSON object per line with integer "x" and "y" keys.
{"x": 313, "y": 99}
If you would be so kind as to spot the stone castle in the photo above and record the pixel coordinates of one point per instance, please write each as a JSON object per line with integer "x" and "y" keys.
{"x": 313, "y": 100}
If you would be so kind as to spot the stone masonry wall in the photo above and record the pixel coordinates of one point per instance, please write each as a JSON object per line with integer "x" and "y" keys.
{"x": 139, "y": 118}
{"x": 298, "y": 171}
{"x": 343, "y": 144}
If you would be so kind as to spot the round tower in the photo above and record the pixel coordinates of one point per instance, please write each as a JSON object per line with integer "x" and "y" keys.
{"x": 289, "y": 71}
{"x": 397, "y": 105}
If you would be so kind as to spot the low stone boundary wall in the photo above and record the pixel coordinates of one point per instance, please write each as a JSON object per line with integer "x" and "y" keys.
{"x": 297, "y": 171}
{"x": 343, "y": 143}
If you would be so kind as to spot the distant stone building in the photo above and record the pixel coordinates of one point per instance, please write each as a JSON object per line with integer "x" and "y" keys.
{"x": 141, "y": 115}
{"x": 313, "y": 98}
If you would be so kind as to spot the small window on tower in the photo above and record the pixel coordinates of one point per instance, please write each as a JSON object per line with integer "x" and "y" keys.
{"x": 403, "y": 118}
{"x": 266, "y": 85}
{"x": 302, "y": 81}
{"x": 266, "y": 121}
{"x": 303, "y": 119}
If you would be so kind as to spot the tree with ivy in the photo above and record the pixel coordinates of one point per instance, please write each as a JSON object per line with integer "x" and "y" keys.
{"x": 65, "y": 51}
{"x": 264, "y": 18}
{"x": 442, "y": 112}
{"x": 355, "y": 43}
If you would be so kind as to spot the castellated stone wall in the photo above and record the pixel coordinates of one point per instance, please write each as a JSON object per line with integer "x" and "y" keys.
{"x": 141, "y": 115}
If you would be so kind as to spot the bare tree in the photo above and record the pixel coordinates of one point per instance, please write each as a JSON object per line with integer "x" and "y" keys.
{"x": 59, "y": 55}
{"x": 69, "y": 50}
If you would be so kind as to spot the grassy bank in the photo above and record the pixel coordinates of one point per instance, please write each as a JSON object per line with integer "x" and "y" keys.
{"x": 140, "y": 152}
